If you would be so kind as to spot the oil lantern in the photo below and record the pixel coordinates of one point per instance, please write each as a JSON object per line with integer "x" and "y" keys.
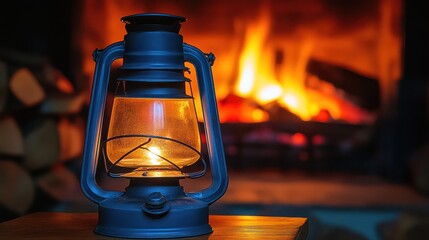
{"x": 153, "y": 134}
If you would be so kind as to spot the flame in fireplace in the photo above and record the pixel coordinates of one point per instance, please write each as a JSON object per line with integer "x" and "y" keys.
{"x": 262, "y": 81}
{"x": 256, "y": 78}
{"x": 261, "y": 67}
{"x": 295, "y": 97}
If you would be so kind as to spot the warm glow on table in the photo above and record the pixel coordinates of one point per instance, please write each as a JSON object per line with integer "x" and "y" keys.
{"x": 81, "y": 225}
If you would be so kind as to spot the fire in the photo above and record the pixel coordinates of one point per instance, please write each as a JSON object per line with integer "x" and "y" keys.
{"x": 260, "y": 81}
{"x": 251, "y": 56}
{"x": 256, "y": 78}
{"x": 261, "y": 66}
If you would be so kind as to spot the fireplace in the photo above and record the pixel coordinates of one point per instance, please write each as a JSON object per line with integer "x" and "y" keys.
{"x": 313, "y": 85}
{"x": 305, "y": 84}
{"x": 320, "y": 60}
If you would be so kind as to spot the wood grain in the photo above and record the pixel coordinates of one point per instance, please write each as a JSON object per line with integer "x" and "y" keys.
{"x": 80, "y": 226}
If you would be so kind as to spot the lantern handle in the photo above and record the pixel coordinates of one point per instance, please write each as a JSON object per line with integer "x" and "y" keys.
{"x": 104, "y": 59}
{"x": 202, "y": 63}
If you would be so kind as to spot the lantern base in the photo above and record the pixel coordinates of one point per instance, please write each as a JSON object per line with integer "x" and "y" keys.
{"x": 153, "y": 212}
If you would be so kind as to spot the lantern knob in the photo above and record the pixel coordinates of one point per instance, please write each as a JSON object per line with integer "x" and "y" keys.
{"x": 156, "y": 204}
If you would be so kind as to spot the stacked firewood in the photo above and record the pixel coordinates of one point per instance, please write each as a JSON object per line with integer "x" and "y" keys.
{"x": 41, "y": 131}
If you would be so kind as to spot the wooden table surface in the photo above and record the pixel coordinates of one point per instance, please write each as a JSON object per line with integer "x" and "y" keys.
{"x": 81, "y": 225}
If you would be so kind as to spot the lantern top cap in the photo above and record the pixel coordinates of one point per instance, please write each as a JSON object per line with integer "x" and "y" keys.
{"x": 152, "y": 22}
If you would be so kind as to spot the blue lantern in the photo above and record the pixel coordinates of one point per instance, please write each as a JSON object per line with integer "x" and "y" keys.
{"x": 153, "y": 134}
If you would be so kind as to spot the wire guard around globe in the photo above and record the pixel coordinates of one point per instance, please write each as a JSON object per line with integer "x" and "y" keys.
{"x": 142, "y": 147}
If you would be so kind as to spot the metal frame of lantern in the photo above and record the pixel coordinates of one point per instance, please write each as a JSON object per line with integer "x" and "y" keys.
{"x": 153, "y": 207}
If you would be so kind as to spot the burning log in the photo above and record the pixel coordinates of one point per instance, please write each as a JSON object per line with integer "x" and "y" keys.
{"x": 279, "y": 113}
{"x": 237, "y": 109}
{"x": 362, "y": 90}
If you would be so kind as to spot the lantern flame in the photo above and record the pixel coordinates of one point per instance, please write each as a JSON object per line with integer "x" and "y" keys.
{"x": 154, "y": 152}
